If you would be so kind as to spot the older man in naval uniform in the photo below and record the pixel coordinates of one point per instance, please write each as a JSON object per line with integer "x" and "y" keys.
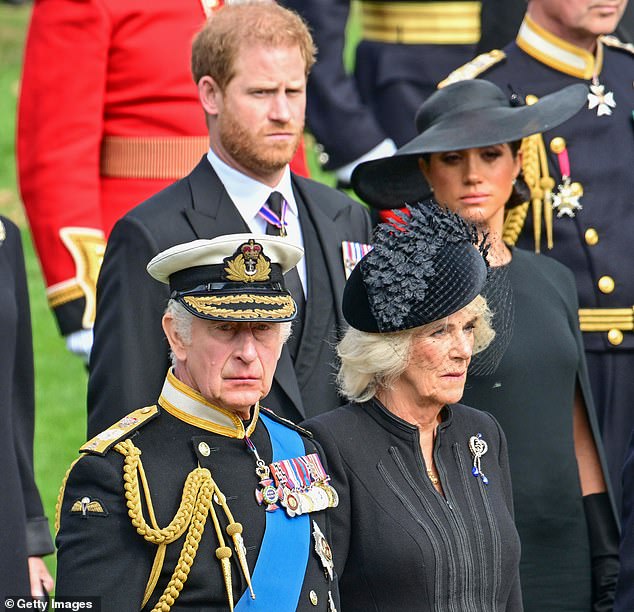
{"x": 205, "y": 499}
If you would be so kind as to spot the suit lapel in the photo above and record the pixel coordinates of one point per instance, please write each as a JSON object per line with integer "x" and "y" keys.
{"x": 330, "y": 241}
{"x": 212, "y": 213}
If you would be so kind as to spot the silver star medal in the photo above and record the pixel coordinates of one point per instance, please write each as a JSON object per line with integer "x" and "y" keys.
{"x": 323, "y": 550}
{"x": 599, "y": 99}
{"x": 566, "y": 199}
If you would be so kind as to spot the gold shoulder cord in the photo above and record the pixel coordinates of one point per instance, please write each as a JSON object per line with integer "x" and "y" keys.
{"x": 541, "y": 184}
{"x": 197, "y": 501}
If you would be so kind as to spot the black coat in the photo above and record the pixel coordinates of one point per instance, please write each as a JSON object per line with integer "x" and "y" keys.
{"x": 24, "y": 529}
{"x": 401, "y": 546}
{"x": 130, "y": 353}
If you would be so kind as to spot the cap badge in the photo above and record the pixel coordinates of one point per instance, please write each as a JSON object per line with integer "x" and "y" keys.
{"x": 248, "y": 264}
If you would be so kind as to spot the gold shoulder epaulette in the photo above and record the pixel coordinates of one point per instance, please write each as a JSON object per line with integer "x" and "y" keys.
{"x": 276, "y": 417}
{"x": 104, "y": 441}
{"x": 474, "y": 68}
{"x": 614, "y": 42}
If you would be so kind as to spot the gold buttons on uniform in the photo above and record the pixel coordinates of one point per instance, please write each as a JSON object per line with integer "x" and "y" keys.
{"x": 531, "y": 99}
{"x": 313, "y": 598}
{"x": 615, "y": 337}
{"x": 203, "y": 449}
{"x": 606, "y": 284}
{"x": 557, "y": 145}
{"x": 591, "y": 236}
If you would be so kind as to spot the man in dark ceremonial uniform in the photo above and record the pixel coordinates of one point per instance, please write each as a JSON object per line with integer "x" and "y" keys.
{"x": 582, "y": 184}
{"x": 250, "y": 62}
{"x": 501, "y": 19}
{"x": 205, "y": 500}
{"x": 405, "y": 49}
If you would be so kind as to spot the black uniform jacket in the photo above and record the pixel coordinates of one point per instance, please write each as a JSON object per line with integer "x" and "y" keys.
{"x": 594, "y": 243}
{"x": 402, "y": 55}
{"x": 24, "y": 530}
{"x": 130, "y": 353}
{"x": 101, "y": 553}
{"x": 399, "y": 544}
{"x": 500, "y": 20}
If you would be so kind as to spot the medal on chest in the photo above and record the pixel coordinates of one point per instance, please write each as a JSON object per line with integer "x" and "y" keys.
{"x": 598, "y": 97}
{"x": 565, "y": 198}
{"x": 300, "y": 485}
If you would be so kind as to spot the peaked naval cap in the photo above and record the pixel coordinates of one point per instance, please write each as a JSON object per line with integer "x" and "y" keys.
{"x": 425, "y": 269}
{"x": 463, "y": 115}
{"x": 237, "y": 277}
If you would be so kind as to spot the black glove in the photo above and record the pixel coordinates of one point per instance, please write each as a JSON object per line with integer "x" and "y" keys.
{"x": 604, "y": 550}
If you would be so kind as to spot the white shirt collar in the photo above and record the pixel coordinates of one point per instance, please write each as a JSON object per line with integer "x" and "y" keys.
{"x": 248, "y": 194}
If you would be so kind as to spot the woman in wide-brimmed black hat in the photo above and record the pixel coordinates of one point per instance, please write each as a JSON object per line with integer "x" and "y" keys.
{"x": 467, "y": 154}
{"x": 425, "y": 517}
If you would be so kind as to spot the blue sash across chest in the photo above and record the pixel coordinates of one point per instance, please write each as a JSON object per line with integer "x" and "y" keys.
{"x": 279, "y": 571}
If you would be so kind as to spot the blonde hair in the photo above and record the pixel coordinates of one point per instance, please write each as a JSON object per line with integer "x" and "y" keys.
{"x": 236, "y": 26}
{"x": 369, "y": 362}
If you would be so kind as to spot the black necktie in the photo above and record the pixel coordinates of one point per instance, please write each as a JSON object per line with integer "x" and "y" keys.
{"x": 291, "y": 278}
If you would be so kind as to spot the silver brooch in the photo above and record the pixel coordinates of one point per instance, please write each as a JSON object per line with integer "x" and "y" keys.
{"x": 478, "y": 447}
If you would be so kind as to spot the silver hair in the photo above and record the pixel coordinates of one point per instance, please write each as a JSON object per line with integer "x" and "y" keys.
{"x": 183, "y": 320}
{"x": 370, "y": 362}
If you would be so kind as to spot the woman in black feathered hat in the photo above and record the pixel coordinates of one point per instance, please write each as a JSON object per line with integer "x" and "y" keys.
{"x": 425, "y": 516}
{"x": 467, "y": 152}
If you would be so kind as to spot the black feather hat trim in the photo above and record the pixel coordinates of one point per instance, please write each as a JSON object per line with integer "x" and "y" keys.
{"x": 427, "y": 266}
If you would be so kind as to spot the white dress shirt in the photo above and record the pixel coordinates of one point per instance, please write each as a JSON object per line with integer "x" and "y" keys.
{"x": 250, "y": 195}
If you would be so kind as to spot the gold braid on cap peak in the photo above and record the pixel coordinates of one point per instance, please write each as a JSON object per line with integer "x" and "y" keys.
{"x": 540, "y": 183}
{"x": 196, "y": 503}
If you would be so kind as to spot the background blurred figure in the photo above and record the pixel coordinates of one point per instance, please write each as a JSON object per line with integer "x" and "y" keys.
{"x": 501, "y": 19}
{"x": 405, "y": 49}
{"x": 24, "y": 536}
{"x": 108, "y": 116}
{"x": 581, "y": 181}
{"x": 540, "y": 392}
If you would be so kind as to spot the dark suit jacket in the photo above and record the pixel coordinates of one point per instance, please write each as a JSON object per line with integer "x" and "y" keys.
{"x": 24, "y": 530}
{"x": 130, "y": 353}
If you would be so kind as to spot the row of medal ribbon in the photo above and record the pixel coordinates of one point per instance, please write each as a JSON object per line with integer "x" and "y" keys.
{"x": 300, "y": 485}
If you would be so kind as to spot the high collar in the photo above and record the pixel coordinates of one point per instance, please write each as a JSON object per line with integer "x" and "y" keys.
{"x": 398, "y": 426}
{"x": 557, "y": 53}
{"x": 187, "y": 405}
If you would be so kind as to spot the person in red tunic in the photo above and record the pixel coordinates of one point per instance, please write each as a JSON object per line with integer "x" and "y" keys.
{"x": 108, "y": 115}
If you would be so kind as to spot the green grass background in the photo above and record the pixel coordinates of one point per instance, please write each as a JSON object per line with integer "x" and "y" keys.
{"x": 60, "y": 378}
